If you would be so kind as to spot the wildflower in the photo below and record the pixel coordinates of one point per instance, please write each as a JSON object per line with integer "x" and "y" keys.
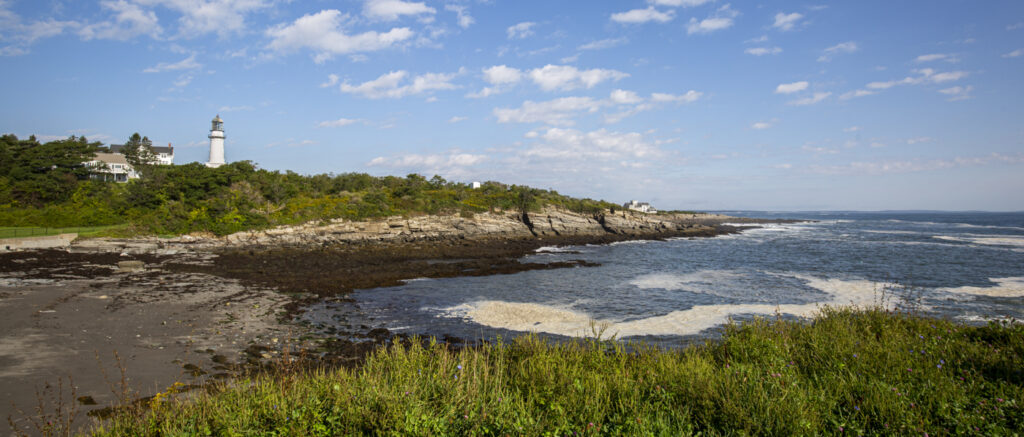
{"x": 840, "y": 429}
{"x": 912, "y": 405}
{"x": 938, "y": 365}
{"x": 942, "y": 361}
{"x": 590, "y": 425}
{"x": 999, "y": 399}
{"x": 855, "y": 407}
{"x": 909, "y": 369}
{"x": 459, "y": 367}
{"x": 465, "y": 416}
{"x": 855, "y": 355}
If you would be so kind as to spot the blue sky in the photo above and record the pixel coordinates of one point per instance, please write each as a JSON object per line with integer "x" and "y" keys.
{"x": 689, "y": 104}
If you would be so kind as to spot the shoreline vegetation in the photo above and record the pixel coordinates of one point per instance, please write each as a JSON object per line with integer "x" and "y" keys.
{"x": 846, "y": 371}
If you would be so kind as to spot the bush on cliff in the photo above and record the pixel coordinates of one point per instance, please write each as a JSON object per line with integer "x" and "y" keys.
{"x": 47, "y": 185}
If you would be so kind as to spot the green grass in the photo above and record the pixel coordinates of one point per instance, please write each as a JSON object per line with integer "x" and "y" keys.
{"x": 848, "y": 371}
{"x": 82, "y": 231}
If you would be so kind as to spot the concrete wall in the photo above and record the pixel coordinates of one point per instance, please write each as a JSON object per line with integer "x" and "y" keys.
{"x": 47, "y": 242}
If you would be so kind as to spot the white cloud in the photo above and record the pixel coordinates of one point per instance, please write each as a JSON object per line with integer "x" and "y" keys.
{"x": 451, "y": 163}
{"x": 917, "y": 140}
{"x": 322, "y": 33}
{"x": 566, "y": 77}
{"x": 958, "y": 92}
{"x": 814, "y": 98}
{"x": 761, "y": 51}
{"x": 689, "y": 97}
{"x": 391, "y": 10}
{"x": 558, "y": 112}
{"x": 721, "y": 19}
{"x": 925, "y": 76}
{"x": 502, "y": 75}
{"x": 188, "y": 63}
{"x": 200, "y": 17}
{"x": 843, "y": 47}
{"x": 852, "y": 129}
{"x": 789, "y": 88}
{"x": 339, "y": 122}
{"x": 760, "y": 39}
{"x": 456, "y": 119}
{"x": 390, "y": 85}
{"x": 856, "y": 93}
{"x": 521, "y": 30}
{"x": 559, "y": 143}
{"x": 1015, "y": 26}
{"x": 786, "y": 22}
{"x": 1014, "y": 54}
{"x": 603, "y": 44}
{"x": 332, "y": 80}
{"x": 761, "y": 125}
{"x": 485, "y": 92}
{"x": 462, "y": 14}
{"x": 677, "y": 3}
{"x": 937, "y": 57}
{"x": 624, "y": 97}
{"x": 129, "y": 21}
{"x": 640, "y": 16}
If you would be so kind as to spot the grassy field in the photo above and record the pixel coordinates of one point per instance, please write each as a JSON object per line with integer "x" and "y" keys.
{"x": 82, "y": 231}
{"x": 848, "y": 371}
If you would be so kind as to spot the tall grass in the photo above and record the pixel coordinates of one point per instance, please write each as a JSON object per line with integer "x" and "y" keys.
{"x": 847, "y": 371}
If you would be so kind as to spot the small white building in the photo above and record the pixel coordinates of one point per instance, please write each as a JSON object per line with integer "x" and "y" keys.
{"x": 476, "y": 185}
{"x": 111, "y": 167}
{"x": 640, "y": 206}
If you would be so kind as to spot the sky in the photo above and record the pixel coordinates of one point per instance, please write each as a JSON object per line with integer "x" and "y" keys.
{"x": 687, "y": 104}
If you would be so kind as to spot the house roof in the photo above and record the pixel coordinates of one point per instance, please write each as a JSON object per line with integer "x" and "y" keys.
{"x": 117, "y": 148}
{"x": 111, "y": 158}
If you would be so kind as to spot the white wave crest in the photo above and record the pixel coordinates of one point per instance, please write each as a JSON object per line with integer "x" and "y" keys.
{"x": 985, "y": 241}
{"x": 672, "y": 281}
{"x": 535, "y": 317}
{"x": 1005, "y": 287}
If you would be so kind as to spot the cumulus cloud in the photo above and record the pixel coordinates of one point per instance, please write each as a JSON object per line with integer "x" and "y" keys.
{"x": 720, "y": 19}
{"x": 462, "y": 15}
{"x": 640, "y": 16}
{"x": 924, "y": 76}
{"x": 566, "y": 77}
{"x": 502, "y": 75}
{"x": 843, "y": 47}
{"x": 188, "y": 63}
{"x": 761, "y": 125}
{"x": 688, "y": 97}
{"x": 393, "y": 85}
{"x": 453, "y": 163}
{"x": 761, "y": 51}
{"x": 789, "y": 88}
{"x": 1014, "y": 54}
{"x": 600, "y": 144}
{"x": 129, "y": 20}
{"x": 558, "y": 112}
{"x": 624, "y": 97}
{"x": 521, "y": 30}
{"x": 323, "y": 34}
{"x": 456, "y": 119}
{"x": 812, "y": 99}
{"x": 787, "y": 22}
{"x": 391, "y": 10}
{"x": 856, "y": 93}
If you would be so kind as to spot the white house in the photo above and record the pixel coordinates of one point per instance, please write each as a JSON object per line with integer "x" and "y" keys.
{"x": 163, "y": 155}
{"x": 640, "y": 206}
{"x": 111, "y": 167}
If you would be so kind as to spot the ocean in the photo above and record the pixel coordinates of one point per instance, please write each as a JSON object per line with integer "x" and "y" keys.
{"x": 963, "y": 266}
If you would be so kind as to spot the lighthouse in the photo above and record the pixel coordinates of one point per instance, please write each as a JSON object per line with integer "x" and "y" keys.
{"x": 216, "y": 143}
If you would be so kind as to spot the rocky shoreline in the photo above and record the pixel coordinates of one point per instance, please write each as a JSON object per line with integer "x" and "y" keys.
{"x": 193, "y": 309}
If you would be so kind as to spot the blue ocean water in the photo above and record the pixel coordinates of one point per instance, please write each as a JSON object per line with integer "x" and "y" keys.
{"x": 963, "y": 266}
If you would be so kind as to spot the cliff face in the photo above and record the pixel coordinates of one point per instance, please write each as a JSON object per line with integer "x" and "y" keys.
{"x": 551, "y": 222}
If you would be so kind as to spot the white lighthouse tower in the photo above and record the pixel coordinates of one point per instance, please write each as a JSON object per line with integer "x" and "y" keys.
{"x": 216, "y": 143}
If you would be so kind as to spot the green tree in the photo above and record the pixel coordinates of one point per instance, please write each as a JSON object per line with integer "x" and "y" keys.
{"x": 138, "y": 151}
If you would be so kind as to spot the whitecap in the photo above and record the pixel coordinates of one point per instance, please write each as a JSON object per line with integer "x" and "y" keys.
{"x": 986, "y": 241}
{"x": 1005, "y": 287}
{"x": 674, "y": 281}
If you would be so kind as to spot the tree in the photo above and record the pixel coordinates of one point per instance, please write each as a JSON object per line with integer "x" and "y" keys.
{"x": 138, "y": 151}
